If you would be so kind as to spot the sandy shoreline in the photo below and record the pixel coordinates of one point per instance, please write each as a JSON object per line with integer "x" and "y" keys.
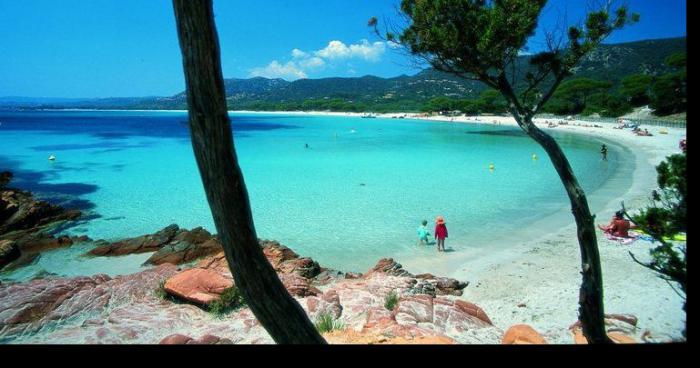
{"x": 541, "y": 272}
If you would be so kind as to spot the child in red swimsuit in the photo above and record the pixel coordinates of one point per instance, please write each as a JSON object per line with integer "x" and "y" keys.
{"x": 440, "y": 233}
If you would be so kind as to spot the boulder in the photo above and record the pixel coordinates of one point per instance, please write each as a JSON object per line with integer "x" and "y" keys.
{"x": 388, "y": 266}
{"x": 472, "y": 310}
{"x": 181, "y": 252}
{"x": 522, "y": 334}
{"x": 197, "y": 285}
{"x": 29, "y": 246}
{"x": 141, "y": 244}
{"x": 298, "y": 286}
{"x": 177, "y": 339}
{"x": 169, "y": 245}
{"x": 20, "y": 211}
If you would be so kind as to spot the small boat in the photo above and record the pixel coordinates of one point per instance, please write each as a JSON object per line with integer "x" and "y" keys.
{"x": 52, "y": 158}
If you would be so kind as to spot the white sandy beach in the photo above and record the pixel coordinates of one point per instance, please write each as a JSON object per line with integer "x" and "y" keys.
{"x": 540, "y": 270}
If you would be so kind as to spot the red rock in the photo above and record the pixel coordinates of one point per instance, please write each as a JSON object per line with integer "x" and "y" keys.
{"x": 414, "y": 309}
{"x": 141, "y": 244}
{"x": 389, "y": 267}
{"x": 19, "y": 211}
{"x": 175, "y": 339}
{"x": 628, "y": 318}
{"x": 352, "y": 275}
{"x": 200, "y": 286}
{"x": 184, "y": 252}
{"x": 473, "y": 310}
{"x": 298, "y": 286}
{"x": 616, "y": 337}
{"x": 522, "y": 334}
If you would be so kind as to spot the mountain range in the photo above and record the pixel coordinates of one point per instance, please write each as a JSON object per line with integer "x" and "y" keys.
{"x": 610, "y": 62}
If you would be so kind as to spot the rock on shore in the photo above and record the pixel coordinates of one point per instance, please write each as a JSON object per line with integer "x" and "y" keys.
{"x": 26, "y": 225}
{"x": 128, "y": 309}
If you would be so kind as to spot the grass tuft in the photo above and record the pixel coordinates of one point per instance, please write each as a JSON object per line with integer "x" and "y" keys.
{"x": 391, "y": 300}
{"x": 160, "y": 291}
{"x": 326, "y": 323}
{"x": 231, "y": 299}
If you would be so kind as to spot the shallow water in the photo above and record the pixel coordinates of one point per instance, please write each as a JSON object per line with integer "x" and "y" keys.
{"x": 357, "y": 194}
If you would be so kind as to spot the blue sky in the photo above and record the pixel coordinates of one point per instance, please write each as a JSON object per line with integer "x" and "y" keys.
{"x": 110, "y": 48}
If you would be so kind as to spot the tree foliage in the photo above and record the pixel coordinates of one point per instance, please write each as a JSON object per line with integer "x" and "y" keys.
{"x": 665, "y": 218}
{"x": 637, "y": 89}
{"x": 669, "y": 91}
{"x": 481, "y": 40}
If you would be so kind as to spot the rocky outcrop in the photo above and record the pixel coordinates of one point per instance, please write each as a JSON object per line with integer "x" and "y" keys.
{"x": 20, "y": 211}
{"x": 128, "y": 309}
{"x": 170, "y": 245}
{"x": 207, "y": 280}
{"x": 424, "y": 284}
{"x": 50, "y": 302}
{"x": 141, "y": 244}
{"x": 521, "y": 335}
{"x": 26, "y": 225}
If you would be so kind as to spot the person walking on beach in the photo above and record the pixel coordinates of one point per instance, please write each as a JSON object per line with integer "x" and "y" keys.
{"x": 423, "y": 233}
{"x": 604, "y": 152}
{"x": 440, "y": 233}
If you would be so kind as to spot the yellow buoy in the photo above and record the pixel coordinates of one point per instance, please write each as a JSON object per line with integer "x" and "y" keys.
{"x": 492, "y": 166}
{"x": 534, "y": 156}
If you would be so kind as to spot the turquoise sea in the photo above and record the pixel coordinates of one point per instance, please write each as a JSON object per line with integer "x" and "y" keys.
{"x": 357, "y": 194}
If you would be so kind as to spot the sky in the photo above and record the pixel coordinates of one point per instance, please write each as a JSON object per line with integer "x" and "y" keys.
{"x": 124, "y": 48}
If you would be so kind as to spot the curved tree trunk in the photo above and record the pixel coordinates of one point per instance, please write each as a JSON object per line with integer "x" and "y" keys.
{"x": 212, "y": 141}
{"x": 591, "y": 310}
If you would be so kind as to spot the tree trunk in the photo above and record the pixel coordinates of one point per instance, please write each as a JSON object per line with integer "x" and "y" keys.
{"x": 591, "y": 310}
{"x": 212, "y": 141}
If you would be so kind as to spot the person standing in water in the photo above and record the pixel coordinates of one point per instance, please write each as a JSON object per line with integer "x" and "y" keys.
{"x": 423, "y": 233}
{"x": 604, "y": 152}
{"x": 440, "y": 233}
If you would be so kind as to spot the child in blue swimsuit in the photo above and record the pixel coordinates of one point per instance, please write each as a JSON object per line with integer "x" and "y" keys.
{"x": 423, "y": 233}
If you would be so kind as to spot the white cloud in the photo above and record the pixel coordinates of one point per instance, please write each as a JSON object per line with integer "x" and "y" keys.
{"x": 275, "y": 69}
{"x": 298, "y": 54}
{"x": 337, "y": 50}
{"x": 334, "y": 53}
{"x": 312, "y": 63}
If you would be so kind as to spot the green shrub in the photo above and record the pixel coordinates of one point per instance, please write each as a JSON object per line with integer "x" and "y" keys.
{"x": 391, "y": 300}
{"x": 326, "y": 323}
{"x": 160, "y": 291}
{"x": 231, "y": 299}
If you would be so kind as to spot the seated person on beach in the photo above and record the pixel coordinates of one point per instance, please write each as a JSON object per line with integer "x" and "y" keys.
{"x": 644, "y": 133}
{"x": 423, "y": 233}
{"x": 618, "y": 227}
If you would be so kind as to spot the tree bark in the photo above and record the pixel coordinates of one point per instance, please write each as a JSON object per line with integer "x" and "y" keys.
{"x": 591, "y": 310}
{"x": 212, "y": 141}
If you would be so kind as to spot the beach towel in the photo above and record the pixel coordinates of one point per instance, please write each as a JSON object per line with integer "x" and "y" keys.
{"x": 623, "y": 241}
